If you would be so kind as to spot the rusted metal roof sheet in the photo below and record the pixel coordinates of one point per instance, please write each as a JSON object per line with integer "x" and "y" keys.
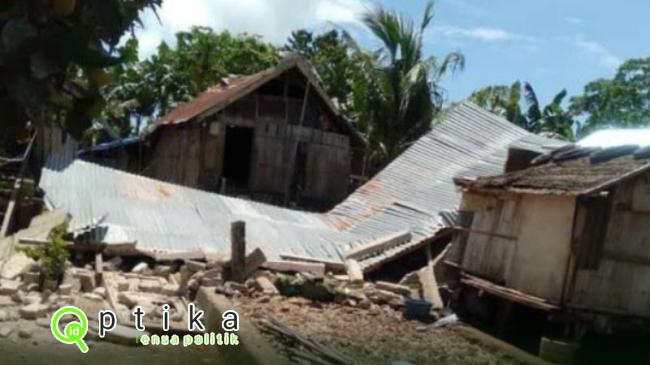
{"x": 570, "y": 176}
{"x": 220, "y": 96}
{"x": 166, "y": 220}
{"x": 414, "y": 192}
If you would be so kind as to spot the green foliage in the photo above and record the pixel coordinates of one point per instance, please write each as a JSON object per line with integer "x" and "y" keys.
{"x": 552, "y": 120}
{"x": 398, "y": 93}
{"x": 145, "y": 90}
{"x": 52, "y": 53}
{"x": 623, "y": 101}
{"x": 292, "y": 286}
{"x": 336, "y": 65}
{"x": 53, "y": 256}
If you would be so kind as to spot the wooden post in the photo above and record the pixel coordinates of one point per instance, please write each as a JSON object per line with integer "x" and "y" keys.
{"x": 238, "y": 251}
{"x": 294, "y": 149}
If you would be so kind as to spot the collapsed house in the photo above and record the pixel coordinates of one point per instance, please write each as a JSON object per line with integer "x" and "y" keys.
{"x": 274, "y": 136}
{"x": 569, "y": 235}
{"x": 407, "y": 206}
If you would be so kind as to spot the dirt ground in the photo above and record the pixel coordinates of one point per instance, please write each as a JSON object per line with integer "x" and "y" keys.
{"x": 372, "y": 336}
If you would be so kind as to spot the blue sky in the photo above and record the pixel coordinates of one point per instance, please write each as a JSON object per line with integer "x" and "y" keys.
{"x": 552, "y": 44}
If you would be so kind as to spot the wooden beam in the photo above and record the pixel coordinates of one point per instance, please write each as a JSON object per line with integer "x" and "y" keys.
{"x": 294, "y": 150}
{"x": 507, "y": 293}
{"x": 329, "y": 264}
{"x": 238, "y": 251}
{"x": 378, "y": 245}
{"x": 429, "y": 284}
{"x": 11, "y": 207}
{"x": 355, "y": 274}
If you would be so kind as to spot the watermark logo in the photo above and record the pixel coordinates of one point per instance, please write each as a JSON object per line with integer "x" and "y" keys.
{"x": 73, "y": 332}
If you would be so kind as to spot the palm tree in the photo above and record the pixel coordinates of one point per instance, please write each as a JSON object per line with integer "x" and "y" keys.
{"x": 552, "y": 120}
{"x": 399, "y": 94}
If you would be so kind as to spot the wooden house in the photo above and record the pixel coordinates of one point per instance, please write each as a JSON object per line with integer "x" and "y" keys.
{"x": 570, "y": 235}
{"x": 275, "y": 136}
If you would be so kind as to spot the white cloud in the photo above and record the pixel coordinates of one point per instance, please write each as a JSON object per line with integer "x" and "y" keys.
{"x": 273, "y": 19}
{"x": 606, "y": 57}
{"x": 483, "y": 34}
{"x": 573, "y": 20}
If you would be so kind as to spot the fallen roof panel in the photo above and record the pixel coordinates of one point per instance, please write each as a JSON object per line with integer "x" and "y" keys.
{"x": 415, "y": 192}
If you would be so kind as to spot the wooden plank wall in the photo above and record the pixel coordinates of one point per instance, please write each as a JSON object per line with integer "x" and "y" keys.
{"x": 176, "y": 156}
{"x": 620, "y": 283}
{"x": 328, "y": 160}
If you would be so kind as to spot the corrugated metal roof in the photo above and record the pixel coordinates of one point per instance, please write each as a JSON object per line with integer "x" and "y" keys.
{"x": 417, "y": 191}
{"x": 414, "y": 192}
{"x": 220, "y": 96}
{"x": 165, "y": 219}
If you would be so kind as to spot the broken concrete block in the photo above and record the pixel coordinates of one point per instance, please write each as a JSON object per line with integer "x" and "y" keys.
{"x": 162, "y": 270}
{"x": 49, "y": 284}
{"x": 238, "y": 287}
{"x": 395, "y": 288}
{"x": 6, "y": 301}
{"x": 195, "y": 266}
{"x": 355, "y": 274}
{"x": 112, "y": 264}
{"x": 101, "y": 291}
{"x": 33, "y": 311}
{"x": 170, "y": 289}
{"x": 150, "y": 286}
{"x": 65, "y": 289}
{"x": 87, "y": 280}
{"x": 9, "y": 287}
{"x": 140, "y": 268}
{"x": 30, "y": 277}
{"x": 31, "y": 287}
{"x": 5, "y": 331}
{"x": 32, "y": 298}
{"x": 122, "y": 284}
{"x": 210, "y": 282}
{"x": 24, "y": 333}
{"x": 16, "y": 265}
{"x": 93, "y": 297}
{"x": 265, "y": 285}
{"x": 123, "y": 335}
{"x": 127, "y": 299}
{"x": 43, "y": 322}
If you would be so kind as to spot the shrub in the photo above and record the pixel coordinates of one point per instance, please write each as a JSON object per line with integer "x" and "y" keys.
{"x": 53, "y": 256}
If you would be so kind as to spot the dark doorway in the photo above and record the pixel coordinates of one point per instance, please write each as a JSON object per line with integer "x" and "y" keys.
{"x": 237, "y": 156}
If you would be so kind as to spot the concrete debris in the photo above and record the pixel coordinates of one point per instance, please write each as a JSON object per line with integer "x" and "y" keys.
{"x": 33, "y": 311}
{"x": 17, "y": 263}
{"x": 65, "y": 289}
{"x": 127, "y": 299}
{"x": 150, "y": 286}
{"x": 395, "y": 288}
{"x": 162, "y": 270}
{"x": 5, "y": 331}
{"x": 101, "y": 291}
{"x": 265, "y": 285}
{"x": 24, "y": 333}
{"x": 140, "y": 268}
{"x": 30, "y": 277}
{"x": 124, "y": 335}
{"x": 195, "y": 266}
{"x": 355, "y": 274}
{"x": 9, "y": 287}
{"x": 171, "y": 289}
{"x": 6, "y": 301}
{"x": 87, "y": 280}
